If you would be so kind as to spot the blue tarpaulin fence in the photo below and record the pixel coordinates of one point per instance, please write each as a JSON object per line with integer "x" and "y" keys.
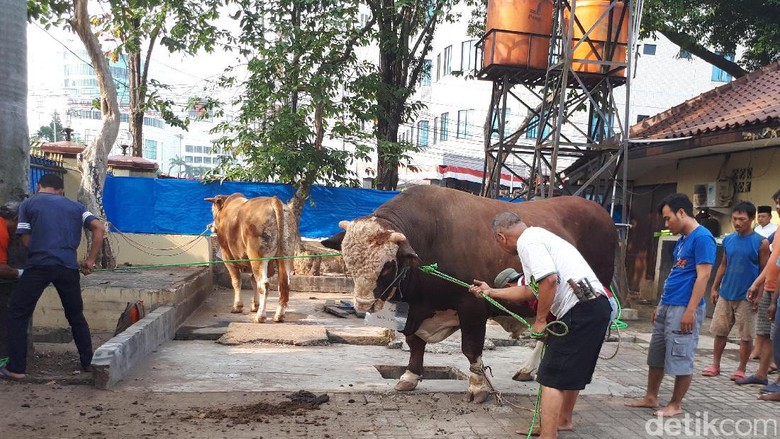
{"x": 167, "y": 206}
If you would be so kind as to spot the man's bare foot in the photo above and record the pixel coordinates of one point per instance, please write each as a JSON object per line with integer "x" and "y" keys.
{"x": 538, "y": 432}
{"x": 668, "y": 411}
{"x": 650, "y": 403}
{"x": 7, "y": 374}
{"x": 770, "y": 397}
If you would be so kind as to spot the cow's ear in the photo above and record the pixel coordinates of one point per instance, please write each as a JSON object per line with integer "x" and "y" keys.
{"x": 218, "y": 201}
{"x": 406, "y": 253}
{"x": 345, "y": 224}
{"x": 210, "y": 200}
{"x": 334, "y": 241}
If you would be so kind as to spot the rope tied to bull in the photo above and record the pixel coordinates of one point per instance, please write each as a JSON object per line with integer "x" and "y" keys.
{"x": 433, "y": 269}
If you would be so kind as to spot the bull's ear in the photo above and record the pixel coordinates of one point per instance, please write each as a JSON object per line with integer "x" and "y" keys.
{"x": 334, "y": 241}
{"x": 406, "y": 253}
{"x": 210, "y": 200}
{"x": 345, "y": 224}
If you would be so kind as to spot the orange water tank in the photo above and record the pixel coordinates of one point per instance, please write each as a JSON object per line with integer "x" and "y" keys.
{"x": 507, "y": 49}
{"x": 588, "y": 13}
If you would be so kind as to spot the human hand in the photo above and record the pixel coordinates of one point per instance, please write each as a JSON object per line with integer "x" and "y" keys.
{"x": 687, "y": 321}
{"x": 652, "y": 315}
{"x": 771, "y": 311}
{"x": 478, "y": 288}
{"x": 753, "y": 295}
{"x": 87, "y": 265}
{"x": 714, "y": 296}
{"x": 539, "y": 328}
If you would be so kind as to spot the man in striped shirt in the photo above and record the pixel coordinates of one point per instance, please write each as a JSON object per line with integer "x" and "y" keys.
{"x": 50, "y": 226}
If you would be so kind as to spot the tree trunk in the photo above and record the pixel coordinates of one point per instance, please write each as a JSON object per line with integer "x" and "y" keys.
{"x": 136, "y": 101}
{"x": 387, "y": 135}
{"x": 14, "y": 139}
{"x": 94, "y": 159}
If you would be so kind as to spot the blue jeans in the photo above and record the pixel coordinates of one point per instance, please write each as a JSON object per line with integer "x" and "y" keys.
{"x": 22, "y": 303}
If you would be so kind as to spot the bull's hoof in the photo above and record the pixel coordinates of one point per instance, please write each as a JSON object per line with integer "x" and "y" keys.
{"x": 259, "y": 319}
{"x": 407, "y": 382}
{"x": 477, "y": 397}
{"x": 522, "y": 375}
{"x": 279, "y": 319}
{"x": 238, "y": 308}
{"x": 254, "y": 308}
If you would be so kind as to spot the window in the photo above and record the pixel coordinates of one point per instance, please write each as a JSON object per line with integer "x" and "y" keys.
{"x": 150, "y": 149}
{"x": 684, "y": 54}
{"x": 438, "y": 67}
{"x": 422, "y": 133}
{"x": 187, "y": 159}
{"x": 468, "y": 55}
{"x": 641, "y": 117}
{"x": 463, "y": 124}
{"x": 648, "y": 49}
{"x": 447, "y": 61}
{"x": 124, "y": 117}
{"x": 533, "y": 129}
{"x": 426, "y": 73}
{"x": 444, "y": 126}
{"x": 207, "y": 160}
{"x": 198, "y": 159}
{"x": 719, "y": 75}
{"x": 507, "y": 124}
{"x": 435, "y": 129}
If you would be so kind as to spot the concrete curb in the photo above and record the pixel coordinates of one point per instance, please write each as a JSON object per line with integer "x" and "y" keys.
{"x": 114, "y": 360}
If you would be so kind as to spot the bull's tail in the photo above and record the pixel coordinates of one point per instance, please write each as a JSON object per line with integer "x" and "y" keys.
{"x": 281, "y": 264}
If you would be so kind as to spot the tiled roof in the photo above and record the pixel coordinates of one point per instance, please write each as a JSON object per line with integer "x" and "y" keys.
{"x": 749, "y": 100}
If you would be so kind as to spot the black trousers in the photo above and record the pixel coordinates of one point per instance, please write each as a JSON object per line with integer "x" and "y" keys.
{"x": 22, "y": 304}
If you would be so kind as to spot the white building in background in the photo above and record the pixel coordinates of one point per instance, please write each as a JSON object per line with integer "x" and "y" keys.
{"x": 69, "y": 89}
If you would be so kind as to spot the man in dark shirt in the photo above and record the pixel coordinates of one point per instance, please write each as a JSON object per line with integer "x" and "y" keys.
{"x": 50, "y": 227}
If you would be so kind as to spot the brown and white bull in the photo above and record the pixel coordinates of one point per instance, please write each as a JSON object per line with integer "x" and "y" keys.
{"x": 428, "y": 224}
{"x": 253, "y": 229}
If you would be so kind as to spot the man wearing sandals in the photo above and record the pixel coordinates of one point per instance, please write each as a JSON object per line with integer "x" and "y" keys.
{"x": 745, "y": 253}
{"x": 678, "y": 317}
{"x": 568, "y": 288}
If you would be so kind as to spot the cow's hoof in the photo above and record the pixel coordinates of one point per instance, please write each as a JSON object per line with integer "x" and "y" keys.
{"x": 254, "y": 308}
{"x": 477, "y": 397}
{"x": 522, "y": 375}
{"x": 407, "y": 382}
{"x": 259, "y": 319}
{"x": 237, "y": 309}
{"x": 279, "y": 319}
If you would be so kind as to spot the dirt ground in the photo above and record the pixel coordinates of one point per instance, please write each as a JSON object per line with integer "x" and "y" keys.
{"x": 77, "y": 411}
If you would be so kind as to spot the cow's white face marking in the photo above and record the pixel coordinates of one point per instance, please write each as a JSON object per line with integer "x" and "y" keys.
{"x": 366, "y": 248}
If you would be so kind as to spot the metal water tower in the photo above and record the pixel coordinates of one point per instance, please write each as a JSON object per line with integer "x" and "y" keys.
{"x": 564, "y": 61}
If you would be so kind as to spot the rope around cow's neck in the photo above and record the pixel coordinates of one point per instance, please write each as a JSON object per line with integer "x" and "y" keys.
{"x": 433, "y": 269}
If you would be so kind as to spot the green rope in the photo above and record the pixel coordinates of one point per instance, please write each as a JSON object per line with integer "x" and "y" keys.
{"x": 187, "y": 264}
{"x": 3, "y": 362}
{"x": 537, "y": 407}
{"x": 433, "y": 269}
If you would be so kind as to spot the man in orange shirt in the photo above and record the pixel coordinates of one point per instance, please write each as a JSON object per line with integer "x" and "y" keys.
{"x": 8, "y": 220}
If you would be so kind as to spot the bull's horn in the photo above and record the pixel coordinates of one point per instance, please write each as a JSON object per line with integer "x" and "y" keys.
{"x": 345, "y": 224}
{"x": 210, "y": 199}
{"x": 397, "y": 237}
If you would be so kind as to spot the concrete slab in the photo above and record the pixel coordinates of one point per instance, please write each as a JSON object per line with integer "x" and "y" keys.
{"x": 296, "y": 335}
{"x": 368, "y": 335}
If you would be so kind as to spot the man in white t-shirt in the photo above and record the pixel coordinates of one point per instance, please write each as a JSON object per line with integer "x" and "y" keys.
{"x": 568, "y": 288}
{"x": 765, "y": 226}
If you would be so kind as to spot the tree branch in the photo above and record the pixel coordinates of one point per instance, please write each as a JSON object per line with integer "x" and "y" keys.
{"x": 687, "y": 43}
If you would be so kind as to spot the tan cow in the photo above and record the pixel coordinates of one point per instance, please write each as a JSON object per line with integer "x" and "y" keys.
{"x": 251, "y": 229}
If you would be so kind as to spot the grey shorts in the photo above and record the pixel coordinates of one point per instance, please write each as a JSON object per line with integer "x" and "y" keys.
{"x": 669, "y": 349}
{"x": 763, "y": 325}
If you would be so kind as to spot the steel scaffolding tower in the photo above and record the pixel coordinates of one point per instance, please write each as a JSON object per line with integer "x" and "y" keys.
{"x": 586, "y": 63}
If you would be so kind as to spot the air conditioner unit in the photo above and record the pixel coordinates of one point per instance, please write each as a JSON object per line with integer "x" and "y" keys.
{"x": 712, "y": 194}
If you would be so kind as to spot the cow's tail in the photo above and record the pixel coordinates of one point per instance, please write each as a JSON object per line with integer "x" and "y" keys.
{"x": 281, "y": 264}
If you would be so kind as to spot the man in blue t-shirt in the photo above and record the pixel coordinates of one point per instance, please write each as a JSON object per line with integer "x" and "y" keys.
{"x": 50, "y": 227}
{"x": 678, "y": 317}
{"x": 745, "y": 253}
